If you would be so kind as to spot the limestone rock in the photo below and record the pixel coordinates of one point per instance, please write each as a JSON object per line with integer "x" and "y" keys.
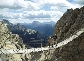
{"x": 68, "y": 24}
{"x": 9, "y": 40}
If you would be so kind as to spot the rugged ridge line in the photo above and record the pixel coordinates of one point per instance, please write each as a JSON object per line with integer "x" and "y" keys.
{"x": 70, "y": 22}
{"x": 9, "y": 40}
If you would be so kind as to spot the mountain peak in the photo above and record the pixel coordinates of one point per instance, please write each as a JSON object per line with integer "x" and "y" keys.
{"x": 71, "y": 22}
{"x": 6, "y": 22}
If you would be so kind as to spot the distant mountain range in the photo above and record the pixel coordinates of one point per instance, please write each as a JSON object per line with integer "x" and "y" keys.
{"x": 28, "y": 35}
{"x": 39, "y": 34}
{"x": 45, "y": 28}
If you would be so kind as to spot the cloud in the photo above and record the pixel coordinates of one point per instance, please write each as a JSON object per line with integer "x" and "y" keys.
{"x": 42, "y": 15}
{"x": 30, "y": 10}
{"x": 18, "y": 4}
{"x": 31, "y": 6}
{"x": 56, "y": 4}
{"x": 80, "y": 2}
{"x": 37, "y": 14}
{"x": 9, "y": 15}
{"x": 12, "y": 4}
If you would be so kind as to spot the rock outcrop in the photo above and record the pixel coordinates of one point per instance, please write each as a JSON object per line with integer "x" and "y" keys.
{"x": 67, "y": 25}
{"x": 9, "y": 40}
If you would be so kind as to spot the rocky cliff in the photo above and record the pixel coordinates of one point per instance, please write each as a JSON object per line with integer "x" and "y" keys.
{"x": 9, "y": 40}
{"x": 67, "y": 25}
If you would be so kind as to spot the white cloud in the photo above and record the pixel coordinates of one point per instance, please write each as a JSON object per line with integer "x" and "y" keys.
{"x": 9, "y": 15}
{"x": 56, "y": 4}
{"x": 37, "y": 14}
{"x": 18, "y": 4}
{"x": 28, "y": 11}
{"x": 80, "y": 2}
{"x": 30, "y": 16}
{"x": 49, "y": 2}
{"x": 12, "y": 4}
{"x": 31, "y": 5}
{"x": 42, "y": 15}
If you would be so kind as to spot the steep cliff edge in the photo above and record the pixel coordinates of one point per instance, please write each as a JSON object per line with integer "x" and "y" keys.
{"x": 71, "y": 21}
{"x": 9, "y": 40}
{"x": 68, "y": 24}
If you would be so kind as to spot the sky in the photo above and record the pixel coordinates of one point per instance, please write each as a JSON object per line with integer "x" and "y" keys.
{"x": 27, "y": 11}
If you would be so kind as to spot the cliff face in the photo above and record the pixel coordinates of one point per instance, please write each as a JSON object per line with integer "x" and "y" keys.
{"x": 68, "y": 24}
{"x": 71, "y": 21}
{"x": 9, "y": 40}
